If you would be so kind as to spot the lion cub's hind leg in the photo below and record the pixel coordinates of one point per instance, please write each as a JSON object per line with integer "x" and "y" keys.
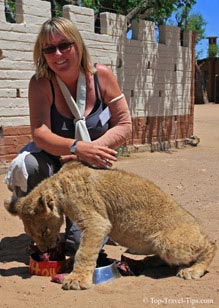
{"x": 94, "y": 229}
{"x": 199, "y": 267}
{"x": 187, "y": 247}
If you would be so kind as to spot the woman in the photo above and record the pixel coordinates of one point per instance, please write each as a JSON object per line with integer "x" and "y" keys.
{"x": 60, "y": 52}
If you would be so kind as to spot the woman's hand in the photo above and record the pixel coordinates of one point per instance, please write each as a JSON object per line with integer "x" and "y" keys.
{"x": 99, "y": 156}
{"x": 66, "y": 158}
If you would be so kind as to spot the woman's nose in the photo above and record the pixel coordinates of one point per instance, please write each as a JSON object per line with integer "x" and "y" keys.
{"x": 58, "y": 52}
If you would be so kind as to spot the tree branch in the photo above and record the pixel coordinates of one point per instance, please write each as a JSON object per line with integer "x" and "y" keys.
{"x": 145, "y": 8}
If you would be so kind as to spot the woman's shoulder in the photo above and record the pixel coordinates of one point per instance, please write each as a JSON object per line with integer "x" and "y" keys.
{"x": 39, "y": 84}
{"x": 103, "y": 68}
{"x": 109, "y": 87}
{"x": 38, "y": 81}
{"x": 40, "y": 87}
{"x": 104, "y": 72}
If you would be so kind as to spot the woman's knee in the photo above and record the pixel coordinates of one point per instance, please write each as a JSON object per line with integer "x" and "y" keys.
{"x": 39, "y": 166}
{"x": 31, "y": 164}
{"x": 33, "y": 171}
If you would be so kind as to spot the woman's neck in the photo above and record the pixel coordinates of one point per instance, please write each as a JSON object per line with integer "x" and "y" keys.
{"x": 71, "y": 81}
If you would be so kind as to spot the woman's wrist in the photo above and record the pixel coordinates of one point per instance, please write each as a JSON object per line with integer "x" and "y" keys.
{"x": 73, "y": 147}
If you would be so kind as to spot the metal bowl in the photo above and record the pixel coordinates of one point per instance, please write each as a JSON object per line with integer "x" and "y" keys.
{"x": 106, "y": 273}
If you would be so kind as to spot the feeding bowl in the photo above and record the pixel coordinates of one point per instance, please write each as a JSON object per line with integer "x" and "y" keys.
{"x": 45, "y": 268}
{"x": 39, "y": 267}
{"x": 106, "y": 273}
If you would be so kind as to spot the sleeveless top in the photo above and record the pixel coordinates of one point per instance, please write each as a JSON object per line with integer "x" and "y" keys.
{"x": 64, "y": 126}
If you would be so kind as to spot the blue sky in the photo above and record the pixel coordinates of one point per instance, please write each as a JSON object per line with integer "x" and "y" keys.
{"x": 209, "y": 9}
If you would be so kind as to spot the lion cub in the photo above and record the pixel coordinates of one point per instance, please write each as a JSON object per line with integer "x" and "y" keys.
{"x": 131, "y": 210}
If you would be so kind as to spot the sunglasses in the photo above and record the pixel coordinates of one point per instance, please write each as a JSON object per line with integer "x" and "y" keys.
{"x": 62, "y": 47}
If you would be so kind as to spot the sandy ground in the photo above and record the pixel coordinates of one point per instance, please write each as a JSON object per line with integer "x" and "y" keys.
{"x": 191, "y": 177}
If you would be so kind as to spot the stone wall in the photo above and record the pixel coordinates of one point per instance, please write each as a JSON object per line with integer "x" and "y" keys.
{"x": 157, "y": 78}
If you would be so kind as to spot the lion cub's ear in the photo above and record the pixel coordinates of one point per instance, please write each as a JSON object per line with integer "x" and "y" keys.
{"x": 44, "y": 206}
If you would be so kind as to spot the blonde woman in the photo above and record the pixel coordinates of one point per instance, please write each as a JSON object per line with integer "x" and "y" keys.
{"x": 60, "y": 53}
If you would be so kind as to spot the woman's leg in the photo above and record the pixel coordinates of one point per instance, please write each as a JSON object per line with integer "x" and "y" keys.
{"x": 37, "y": 166}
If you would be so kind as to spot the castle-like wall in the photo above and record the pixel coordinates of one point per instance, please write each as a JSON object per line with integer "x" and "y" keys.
{"x": 156, "y": 78}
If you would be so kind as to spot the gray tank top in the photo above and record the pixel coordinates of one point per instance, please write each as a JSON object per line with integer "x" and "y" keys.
{"x": 64, "y": 126}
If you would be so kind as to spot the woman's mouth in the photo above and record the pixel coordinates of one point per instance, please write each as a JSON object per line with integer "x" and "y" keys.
{"x": 60, "y": 62}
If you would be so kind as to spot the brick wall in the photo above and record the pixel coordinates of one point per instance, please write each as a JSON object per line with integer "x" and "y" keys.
{"x": 208, "y": 74}
{"x": 156, "y": 78}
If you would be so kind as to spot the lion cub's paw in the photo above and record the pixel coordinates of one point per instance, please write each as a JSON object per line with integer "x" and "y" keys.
{"x": 76, "y": 282}
{"x": 190, "y": 273}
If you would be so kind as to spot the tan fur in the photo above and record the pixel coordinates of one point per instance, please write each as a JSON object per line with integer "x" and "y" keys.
{"x": 133, "y": 211}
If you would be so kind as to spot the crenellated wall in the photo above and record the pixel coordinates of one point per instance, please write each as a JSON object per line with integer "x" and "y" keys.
{"x": 156, "y": 78}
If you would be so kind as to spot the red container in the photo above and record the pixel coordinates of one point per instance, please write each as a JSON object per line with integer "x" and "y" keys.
{"x": 46, "y": 268}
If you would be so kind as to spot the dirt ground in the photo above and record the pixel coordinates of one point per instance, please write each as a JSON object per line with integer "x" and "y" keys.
{"x": 191, "y": 177}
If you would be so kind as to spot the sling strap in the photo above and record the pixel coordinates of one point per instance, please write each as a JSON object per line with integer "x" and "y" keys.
{"x": 77, "y": 109}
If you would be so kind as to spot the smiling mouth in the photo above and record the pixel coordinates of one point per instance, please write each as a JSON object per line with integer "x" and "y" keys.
{"x": 61, "y": 62}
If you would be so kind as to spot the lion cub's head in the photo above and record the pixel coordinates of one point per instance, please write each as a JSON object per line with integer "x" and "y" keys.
{"x": 41, "y": 217}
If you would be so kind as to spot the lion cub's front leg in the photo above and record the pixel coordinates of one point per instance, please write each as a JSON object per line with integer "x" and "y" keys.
{"x": 85, "y": 259}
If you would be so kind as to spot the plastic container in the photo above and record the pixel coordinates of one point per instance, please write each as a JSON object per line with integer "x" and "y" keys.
{"x": 45, "y": 268}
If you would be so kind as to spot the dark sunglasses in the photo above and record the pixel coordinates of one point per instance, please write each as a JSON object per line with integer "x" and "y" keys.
{"x": 62, "y": 47}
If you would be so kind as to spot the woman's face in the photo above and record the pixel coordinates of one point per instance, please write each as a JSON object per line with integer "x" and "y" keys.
{"x": 61, "y": 54}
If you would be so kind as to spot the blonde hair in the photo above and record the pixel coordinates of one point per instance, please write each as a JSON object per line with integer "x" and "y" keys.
{"x": 69, "y": 30}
